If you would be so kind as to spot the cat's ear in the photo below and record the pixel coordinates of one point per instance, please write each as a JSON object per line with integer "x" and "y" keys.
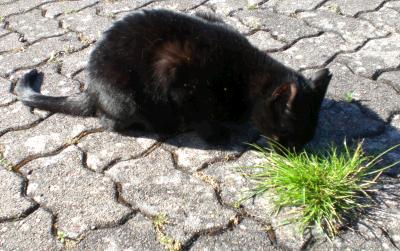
{"x": 285, "y": 93}
{"x": 319, "y": 83}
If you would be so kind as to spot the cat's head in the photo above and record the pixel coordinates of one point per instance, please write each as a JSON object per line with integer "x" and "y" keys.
{"x": 289, "y": 113}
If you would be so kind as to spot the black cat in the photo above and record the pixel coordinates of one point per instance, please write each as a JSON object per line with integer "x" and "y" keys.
{"x": 164, "y": 69}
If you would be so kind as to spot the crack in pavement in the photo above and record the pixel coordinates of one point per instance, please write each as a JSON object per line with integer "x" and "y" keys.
{"x": 73, "y": 141}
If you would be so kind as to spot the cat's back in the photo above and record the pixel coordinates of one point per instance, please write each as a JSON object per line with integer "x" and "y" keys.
{"x": 131, "y": 45}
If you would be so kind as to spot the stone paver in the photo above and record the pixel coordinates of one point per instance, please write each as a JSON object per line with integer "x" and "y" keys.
{"x": 379, "y": 230}
{"x": 248, "y": 235}
{"x": 393, "y": 79}
{"x": 290, "y": 7}
{"x": 265, "y": 41}
{"x": 285, "y": 28}
{"x": 13, "y": 205}
{"x": 48, "y": 136}
{"x": 353, "y": 31}
{"x": 116, "y": 147}
{"x": 10, "y": 42}
{"x": 19, "y": 111}
{"x": 176, "y": 5}
{"x": 89, "y": 197}
{"x": 5, "y": 96}
{"x": 234, "y": 185}
{"x": 137, "y": 234}
{"x": 38, "y": 53}
{"x": 34, "y": 26}
{"x": 111, "y": 8}
{"x": 385, "y": 18}
{"x": 67, "y": 184}
{"x": 57, "y": 8}
{"x": 73, "y": 63}
{"x": 86, "y": 23}
{"x": 193, "y": 153}
{"x": 154, "y": 186}
{"x": 225, "y": 7}
{"x": 353, "y": 7}
{"x": 311, "y": 52}
{"x": 33, "y": 232}
{"x": 16, "y": 7}
{"x": 376, "y": 55}
{"x": 373, "y": 95}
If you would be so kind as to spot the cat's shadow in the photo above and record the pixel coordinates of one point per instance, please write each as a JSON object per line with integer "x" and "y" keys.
{"x": 353, "y": 122}
{"x": 339, "y": 121}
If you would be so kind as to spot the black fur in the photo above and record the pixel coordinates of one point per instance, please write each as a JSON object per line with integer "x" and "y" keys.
{"x": 165, "y": 69}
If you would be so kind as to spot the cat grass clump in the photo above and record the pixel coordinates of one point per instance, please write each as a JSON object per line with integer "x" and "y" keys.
{"x": 329, "y": 188}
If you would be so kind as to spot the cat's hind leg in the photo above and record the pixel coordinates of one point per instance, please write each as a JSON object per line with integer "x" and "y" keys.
{"x": 119, "y": 125}
{"x": 213, "y": 132}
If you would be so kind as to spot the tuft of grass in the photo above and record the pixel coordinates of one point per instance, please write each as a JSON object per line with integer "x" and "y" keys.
{"x": 349, "y": 97}
{"x": 61, "y": 236}
{"x": 329, "y": 188}
{"x": 336, "y": 9}
{"x": 252, "y": 7}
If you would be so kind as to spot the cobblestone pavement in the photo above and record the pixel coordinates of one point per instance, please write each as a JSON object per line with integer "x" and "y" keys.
{"x": 67, "y": 184}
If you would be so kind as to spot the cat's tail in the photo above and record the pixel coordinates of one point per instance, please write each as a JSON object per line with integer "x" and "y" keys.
{"x": 80, "y": 104}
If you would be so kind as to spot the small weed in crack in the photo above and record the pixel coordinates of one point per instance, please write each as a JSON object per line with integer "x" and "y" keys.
{"x": 159, "y": 222}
